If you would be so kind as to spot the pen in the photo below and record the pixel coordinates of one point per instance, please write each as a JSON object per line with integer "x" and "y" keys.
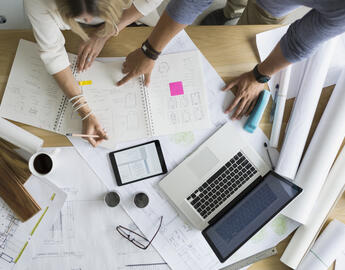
{"x": 274, "y": 103}
{"x": 81, "y": 135}
{"x": 280, "y": 106}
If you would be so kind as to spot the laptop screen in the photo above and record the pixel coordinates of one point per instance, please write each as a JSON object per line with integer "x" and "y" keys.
{"x": 249, "y": 215}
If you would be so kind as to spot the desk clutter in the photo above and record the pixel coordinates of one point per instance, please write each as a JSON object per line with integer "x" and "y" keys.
{"x": 174, "y": 102}
{"x": 83, "y": 217}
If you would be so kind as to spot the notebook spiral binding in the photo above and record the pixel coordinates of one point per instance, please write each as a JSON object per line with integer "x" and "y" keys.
{"x": 64, "y": 102}
{"x": 147, "y": 105}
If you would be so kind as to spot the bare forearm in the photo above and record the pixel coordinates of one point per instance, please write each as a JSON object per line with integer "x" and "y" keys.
{"x": 164, "y": 31}
{"x": 129, "y": 16}
{"x": 274, "y": 62}
{"x": 69, "y": 86}
{"x": 138, "y": 62}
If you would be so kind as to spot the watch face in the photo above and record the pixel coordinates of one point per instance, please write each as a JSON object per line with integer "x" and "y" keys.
{"x": 264, "y": 79}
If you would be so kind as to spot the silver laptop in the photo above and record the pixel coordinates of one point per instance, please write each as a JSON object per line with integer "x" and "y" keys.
{"x": 213, "y": 176}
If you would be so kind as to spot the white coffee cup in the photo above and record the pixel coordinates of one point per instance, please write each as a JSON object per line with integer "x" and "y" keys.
{"x": 44, "y": 162}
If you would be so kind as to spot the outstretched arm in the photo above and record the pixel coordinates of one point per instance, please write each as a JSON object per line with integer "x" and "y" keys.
{"x": 91, "y": 48}
{"x": 137, "y": 62}
{"x": 247, "y": 89}
{"x": 69, "y": 86}
{"x": 177, "y": 16}
{"x": 301, "y": 39}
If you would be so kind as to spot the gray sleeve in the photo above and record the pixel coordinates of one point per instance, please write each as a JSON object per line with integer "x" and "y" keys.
{"x": 306, "y": 34}
{"x": 186, "y": 11}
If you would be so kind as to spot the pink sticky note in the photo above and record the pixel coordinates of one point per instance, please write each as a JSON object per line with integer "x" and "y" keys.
{"x": 176, "y": 88}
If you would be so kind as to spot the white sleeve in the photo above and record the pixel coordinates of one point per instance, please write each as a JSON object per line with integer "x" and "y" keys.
{"x": 48, "y": 36}
{"x": 145, "y": 7}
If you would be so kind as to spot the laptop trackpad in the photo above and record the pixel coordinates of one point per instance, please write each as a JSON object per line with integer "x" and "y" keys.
{"x": 203, "y": 162}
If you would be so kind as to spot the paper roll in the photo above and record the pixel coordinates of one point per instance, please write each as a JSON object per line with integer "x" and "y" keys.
{"x": 19, "y": 137}
{"x": 320, "y": 155}
{"x": 305, "y": 234}
{"x": 326, "y": 248}
{"x": 303, "y": 111}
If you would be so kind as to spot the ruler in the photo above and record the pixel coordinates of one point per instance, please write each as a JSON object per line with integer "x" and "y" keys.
{"x": 252, "y": 259}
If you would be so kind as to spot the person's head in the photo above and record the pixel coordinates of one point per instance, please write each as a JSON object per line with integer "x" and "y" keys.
{"x": 85, "y": 10}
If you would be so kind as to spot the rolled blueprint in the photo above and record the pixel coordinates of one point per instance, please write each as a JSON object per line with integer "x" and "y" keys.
{"x": 19, "y": 137}
{"x": 326, "y": 248}
{"x": 305, "y": 234}
{"x": 320, "y": 155}
{"x": 280, "y": 106}
{"x": 303, "y": 111}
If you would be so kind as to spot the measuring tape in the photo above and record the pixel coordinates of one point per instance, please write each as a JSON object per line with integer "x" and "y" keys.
{"x": 252, "y": 259}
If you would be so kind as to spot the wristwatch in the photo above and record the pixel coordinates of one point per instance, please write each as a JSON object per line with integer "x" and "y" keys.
{"x": 260, "y": 77}
{"x": 149, "y": 51}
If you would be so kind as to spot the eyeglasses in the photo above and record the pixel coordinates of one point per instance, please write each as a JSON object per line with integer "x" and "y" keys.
{"x": 136, "y": 239}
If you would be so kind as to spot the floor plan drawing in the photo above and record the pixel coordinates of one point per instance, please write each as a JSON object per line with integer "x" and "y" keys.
{"x": 10, "y": 244}
{"x": 17, "y": 237}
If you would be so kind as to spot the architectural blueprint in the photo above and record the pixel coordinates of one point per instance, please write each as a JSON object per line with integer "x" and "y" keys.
{"x": 83, "y": 236}
{"x": 180, "y": 245}
{"x": 17, "y": 238}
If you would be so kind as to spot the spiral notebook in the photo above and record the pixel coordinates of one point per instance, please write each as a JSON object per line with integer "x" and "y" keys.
{"x": 175, "y": 100}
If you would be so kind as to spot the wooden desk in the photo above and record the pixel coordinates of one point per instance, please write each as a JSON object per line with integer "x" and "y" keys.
{"x": 230, "y": 49}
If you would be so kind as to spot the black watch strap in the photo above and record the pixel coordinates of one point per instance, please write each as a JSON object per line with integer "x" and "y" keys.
{"x": 260, "y": 77}
{"x": 149, "y": 51}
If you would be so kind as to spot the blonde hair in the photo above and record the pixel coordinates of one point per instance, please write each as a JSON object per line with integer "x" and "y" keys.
{"x": 108, "y": 10}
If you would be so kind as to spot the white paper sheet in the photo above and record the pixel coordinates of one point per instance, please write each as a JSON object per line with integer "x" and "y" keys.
{"x": 16, "y": 238}
{"x": 340, "y": 262}
{"x": 303, "y": 111}
{"x": 326, "y": 249}
{"x": 32, "y": 96}
{"x": 305, "y": 234}
{"x": 267, "y": 40}
{"x": 320, "y": 155}
{"x": 129, "y": 112}
{"x": 83, "y": 236}
{"x": 132, "y": 111}
{"x": 180, "y": 245}
{"x": 19, "y": 137}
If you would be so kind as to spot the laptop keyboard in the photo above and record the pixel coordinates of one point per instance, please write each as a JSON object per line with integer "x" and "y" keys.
{"x": 220, "y": 186}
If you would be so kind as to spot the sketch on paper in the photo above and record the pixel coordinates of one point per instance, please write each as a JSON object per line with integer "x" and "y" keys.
{"x": 184, "y": 102}
{"x": 9, "y": 245}
{"x": 60, "y": 234}
{"x": 198, "y": 113}
{"x": 173, "y": 118}
{"x": 195, "y": 98}
{"x": 172, "y": 103}
{"x": 163, "y": 67}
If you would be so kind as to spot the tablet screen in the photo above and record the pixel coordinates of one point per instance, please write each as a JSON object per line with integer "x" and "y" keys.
{"x": 138, "y": 162}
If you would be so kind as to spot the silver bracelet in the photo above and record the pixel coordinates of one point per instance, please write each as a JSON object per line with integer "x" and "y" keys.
{"x": 77, "y": 101}
{"x": 86, "y": 116}
{"x": 80, "y": 106}
{"x": 75, "y": 97}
